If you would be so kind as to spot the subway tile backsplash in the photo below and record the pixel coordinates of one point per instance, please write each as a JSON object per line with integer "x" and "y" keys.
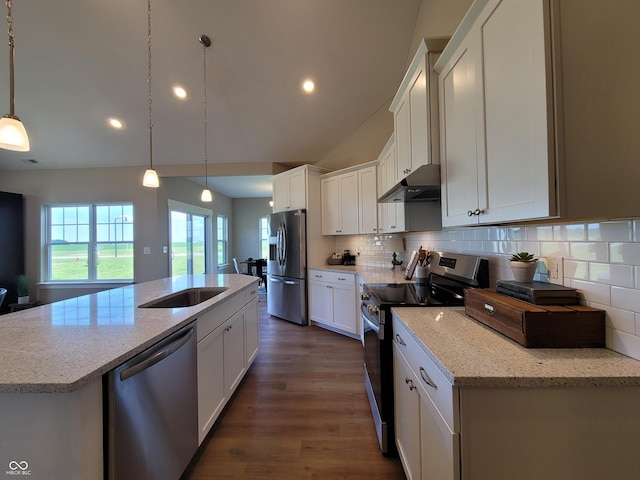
{"x": 600, "y": 259}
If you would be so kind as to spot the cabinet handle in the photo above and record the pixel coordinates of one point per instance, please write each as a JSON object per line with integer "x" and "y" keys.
{"x": 399, "y": 340}
{"x": 488, "y": 309}
{"x": 252, "y": 292}
{"x": 409, "y": 382}
{"x": 427, "y": 379}
{"x": 317, "y": 276}
{"x": 476, "y": 212}
{"x": 342, "y": 279}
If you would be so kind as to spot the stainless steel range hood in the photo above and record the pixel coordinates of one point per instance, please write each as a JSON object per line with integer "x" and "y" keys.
{"x": 423, "y": 185}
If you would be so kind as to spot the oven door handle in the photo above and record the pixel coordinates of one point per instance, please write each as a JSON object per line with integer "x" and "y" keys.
{"x": 374, "y": 327}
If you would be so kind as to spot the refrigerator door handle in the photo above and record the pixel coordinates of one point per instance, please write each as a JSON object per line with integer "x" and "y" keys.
{"x": 286, "y": 282}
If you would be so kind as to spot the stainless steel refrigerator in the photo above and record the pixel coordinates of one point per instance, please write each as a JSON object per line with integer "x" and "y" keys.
{"x": 287, "y": 266}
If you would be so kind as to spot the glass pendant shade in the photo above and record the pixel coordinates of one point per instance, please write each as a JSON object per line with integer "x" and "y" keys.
{"x": 13, "y": 135}
{"x": 150, "y": 179}
{"x": 206, "y": 195}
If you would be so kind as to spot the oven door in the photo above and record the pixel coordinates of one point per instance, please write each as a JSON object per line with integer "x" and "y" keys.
{"x": 373, "y": 370}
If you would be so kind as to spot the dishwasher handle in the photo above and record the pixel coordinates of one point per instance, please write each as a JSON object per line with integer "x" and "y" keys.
{"x": 160, "y": 353}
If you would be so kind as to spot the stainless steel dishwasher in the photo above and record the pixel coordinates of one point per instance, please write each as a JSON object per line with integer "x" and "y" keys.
{"x": 153, "y": 411}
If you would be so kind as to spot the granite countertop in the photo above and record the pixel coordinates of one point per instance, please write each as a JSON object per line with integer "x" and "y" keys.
{"x": 59, "y": 347}
{"x": 471, "y": 354}
{"x": 369, "y": 274}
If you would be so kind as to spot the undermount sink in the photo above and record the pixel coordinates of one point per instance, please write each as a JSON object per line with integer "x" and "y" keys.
{"x": 185, "y": 298}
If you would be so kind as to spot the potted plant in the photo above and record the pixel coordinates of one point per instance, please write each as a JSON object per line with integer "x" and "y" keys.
{"x": 23, "y": 289}
{"x": 523, "y": 266}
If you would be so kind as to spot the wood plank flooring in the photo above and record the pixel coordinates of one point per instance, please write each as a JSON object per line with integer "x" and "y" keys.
{"x": 300, "y": 413}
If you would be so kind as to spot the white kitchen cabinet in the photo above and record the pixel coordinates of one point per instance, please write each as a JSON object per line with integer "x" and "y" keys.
{"x": 334, "y": 302}
{"x": 368, "y": 200}
{"x": 425, "y": 413}
{"x": 252, "y": 330}
{"x": 391, "y": 215}
{"x": 290, "y": 191}
{"x": 340, "y": 204}
{"x": 415, "y": 111}
{"x": 227, "y": 345}
{"x": 526, "y": 95}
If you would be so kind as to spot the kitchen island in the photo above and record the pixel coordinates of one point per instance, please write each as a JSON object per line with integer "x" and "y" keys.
{"x": 53, "y": 360}
{"x": 493, "y": 409}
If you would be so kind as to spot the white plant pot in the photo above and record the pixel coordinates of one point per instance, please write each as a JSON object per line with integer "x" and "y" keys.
{"x": 22, "y": 300}
{"x": 523, "y": 271}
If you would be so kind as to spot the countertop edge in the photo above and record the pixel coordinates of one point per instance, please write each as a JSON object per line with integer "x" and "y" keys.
{"x": 538, "y": 368}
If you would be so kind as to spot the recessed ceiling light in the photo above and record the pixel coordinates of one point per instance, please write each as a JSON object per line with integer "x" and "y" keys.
{"x": 308, "y": 86}
{"x": 179, "y": 92}
{"x": 116, "y": 123}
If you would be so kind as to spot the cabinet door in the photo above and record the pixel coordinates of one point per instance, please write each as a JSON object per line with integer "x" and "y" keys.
{"x": 320, "y": 302}
{"x": 344, "y": 307}
{"x": 407, "y": 415}
{"x": 516, "y": 113}
{"x": 280, "y": 194}
{"x": 349, "y": 203}
{"x": 368, "y": 200}
{"x": 234, "y": 357}
{"x": 460, "y": 135}
{"x": 402, "y": 122}
{"x": 439, "y": 446}
{"x": 298, "y": 190}
{"x": 418, "y": 114}
{"x": 330, "y": 205}
{"x": 252, "y": 331}
{"x": 211, "y": 389}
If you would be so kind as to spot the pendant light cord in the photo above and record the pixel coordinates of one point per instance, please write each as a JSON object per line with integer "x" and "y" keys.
{"x": 204, "y": 101}
{"x": 206, "y": 42}
{"x": 149, "y": 82}
{"x": 12, "y": 97}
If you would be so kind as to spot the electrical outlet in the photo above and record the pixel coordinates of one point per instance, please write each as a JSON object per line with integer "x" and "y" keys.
{"x": 555, "y": 272}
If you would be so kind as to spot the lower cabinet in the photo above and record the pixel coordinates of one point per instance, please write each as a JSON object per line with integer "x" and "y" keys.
{"x": 227, "y": 345}
{"x": 427, "y": 446}
{"x": 333, "y": 301}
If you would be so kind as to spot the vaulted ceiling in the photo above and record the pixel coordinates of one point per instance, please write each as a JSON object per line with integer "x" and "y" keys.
{"x": 79, "y": 63}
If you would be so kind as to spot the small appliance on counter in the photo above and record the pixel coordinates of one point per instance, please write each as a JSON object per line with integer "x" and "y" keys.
{"x": 348, "y": 259}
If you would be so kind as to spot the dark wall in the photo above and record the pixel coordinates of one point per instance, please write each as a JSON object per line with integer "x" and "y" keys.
{"x": 11, "y": 245}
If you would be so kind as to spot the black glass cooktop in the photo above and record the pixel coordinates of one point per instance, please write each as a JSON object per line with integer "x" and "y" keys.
{"x": 398, "y": 294}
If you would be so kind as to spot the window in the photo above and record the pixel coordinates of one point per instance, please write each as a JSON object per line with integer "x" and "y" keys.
{"x": 222, "y": 239}
{"x": 264, "y": 237}
{"x": 90, "y": 242}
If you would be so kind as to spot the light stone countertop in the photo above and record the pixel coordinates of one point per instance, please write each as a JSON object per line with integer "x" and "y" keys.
{"x": 59, "y": 347}
{"x": 470, "y": 354}
{"x": 369, "y": 274}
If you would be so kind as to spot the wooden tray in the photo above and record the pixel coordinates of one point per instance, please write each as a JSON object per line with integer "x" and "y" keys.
{"x": 537, "y": 326}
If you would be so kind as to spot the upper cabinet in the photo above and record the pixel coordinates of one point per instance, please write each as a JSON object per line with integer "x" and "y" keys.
{"x": 349, "y": 201}
{"x": 368, "y": 200}
{"x": 535, "y": 120}
{"x": 291, "y": 189}
{"x": 390, "y": 215}
{"x": 415, "y": 112}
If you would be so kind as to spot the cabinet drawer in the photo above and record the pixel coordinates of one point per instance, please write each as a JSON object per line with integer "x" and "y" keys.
{"x": 333, "y": 277}
{"x": 215, "y": 317}
{"x": 250, "y": 293}
{"x": 431, "y": 380}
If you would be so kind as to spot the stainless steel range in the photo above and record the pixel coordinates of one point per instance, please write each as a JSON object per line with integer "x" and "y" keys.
{"x": 449, "y": 274}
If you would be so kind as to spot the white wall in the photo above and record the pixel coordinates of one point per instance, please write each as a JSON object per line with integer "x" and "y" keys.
{"x": 98, "y": 185}
{"x": 246, "y": 226}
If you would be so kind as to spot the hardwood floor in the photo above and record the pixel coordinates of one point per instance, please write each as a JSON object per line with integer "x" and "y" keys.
{"x": 300, "y": 413}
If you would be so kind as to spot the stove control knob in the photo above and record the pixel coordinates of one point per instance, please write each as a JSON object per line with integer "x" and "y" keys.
{"x": 373, "y": 310}
{"x": 364, "y": 296}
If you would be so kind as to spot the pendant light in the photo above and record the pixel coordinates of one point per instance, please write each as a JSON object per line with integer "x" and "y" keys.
{"x": 150, "y": 176}
{"x": 13, "y": 135}
{"x": 206, "y": 193}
